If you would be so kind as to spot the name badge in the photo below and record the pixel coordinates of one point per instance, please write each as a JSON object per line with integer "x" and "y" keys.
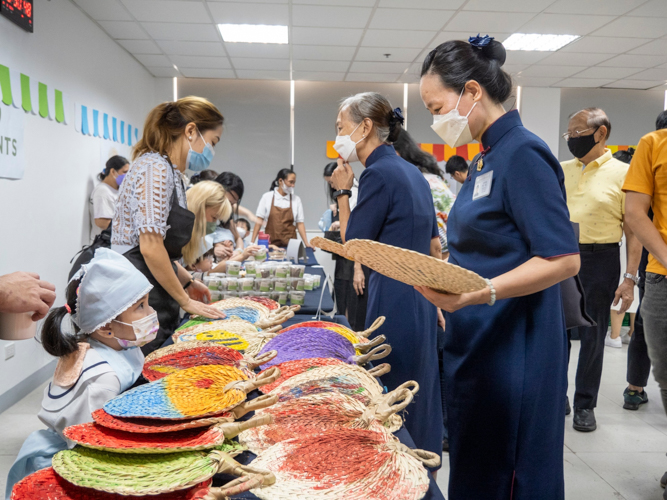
{"x": 482, "y": 186}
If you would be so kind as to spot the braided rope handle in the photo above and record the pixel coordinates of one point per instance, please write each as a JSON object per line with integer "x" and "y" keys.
{"x": 255, "y": 362}
{"x": 266, "y": 377}
{"x": 392, "y": 402}
{"x": 253, "y": 405}
{"x": 376, "y": 324}
{"x": 227, "y": 465}
{"x": 235, "y": 487}
{"x": 428, "y": 458}
{"x": 408, "y": 384}
{"x": 273, "y": 329}
{"x": 275, "y": 318}
{"x": 233, "y": 429}
{"x": 381, "y": 351}
{"x": 364, "y": 348}
{"x": 379, "y": 370}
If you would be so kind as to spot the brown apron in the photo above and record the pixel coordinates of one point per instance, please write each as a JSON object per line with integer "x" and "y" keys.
{"x": 280, "y": 225}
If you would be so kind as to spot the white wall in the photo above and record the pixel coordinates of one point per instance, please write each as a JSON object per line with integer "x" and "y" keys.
{"x": 540, "y": 113}
{"x": 44, "y": 216}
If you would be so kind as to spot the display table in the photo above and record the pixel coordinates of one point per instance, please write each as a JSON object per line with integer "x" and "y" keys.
{"x": 312, "y": 298}
{"x": 247, "y": 457}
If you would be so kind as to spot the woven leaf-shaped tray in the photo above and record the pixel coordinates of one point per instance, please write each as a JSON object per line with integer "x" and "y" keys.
{"x": 320, "y": 412}
{"x": 352, "y": 336}
{"x": 353, "y": 464}
{"x": 191, "y": 393}
{"x": 45, "y": 484}
{"x": 173, "y": 358}
{"x": 413, "y": 268}
{"x": 154, "y": 426}
{"x": 254, "y": 312}
{"x": 329, "y": 246}
{"x": 144, "y": 474}
{"x": 352, "y": 380}
{"x": 95, "y": 436}
{"x": 272, "y": 305}
{"x": 301, "y": 343}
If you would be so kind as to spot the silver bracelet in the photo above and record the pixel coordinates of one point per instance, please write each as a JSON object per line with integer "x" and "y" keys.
{"x": 492, "y": 289}
{"x": 635, "y": 279}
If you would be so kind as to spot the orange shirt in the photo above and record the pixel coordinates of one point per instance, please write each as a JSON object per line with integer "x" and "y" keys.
{"x": 648, "y": 175}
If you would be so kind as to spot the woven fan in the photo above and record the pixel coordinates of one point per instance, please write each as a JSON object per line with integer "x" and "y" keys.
{"x": 329, "y": 246}
{"x": 352, "y": 336}
{"x": 227, "y": 325}
{"x": 192, "y": 322}
{"x": 254, "y": 312}
{"x": 347, "y": 379}
{"x": 152, "y": 474}
{"x": 289, "y": 369}
{"x": 237, "y": 334}
{"x": 265, "y": 301}
{"x": 413, "y": 268}
{"x": 321, "y": 412}
{"x": 194, "y": 392}
{"x": 152, "y": 426}
{"x": 304, "y": 343}
{"x": 173, "y": 358}
{"x": 353, "y": 464}
{"x": 92, "y": 435}
{"x": 323, "y": 339}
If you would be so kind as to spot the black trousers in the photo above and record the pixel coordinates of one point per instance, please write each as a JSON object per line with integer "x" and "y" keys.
{"x": 639, "y": 364}
{"x": 600, "y": 273}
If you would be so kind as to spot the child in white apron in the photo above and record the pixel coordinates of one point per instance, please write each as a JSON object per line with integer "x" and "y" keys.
{"x": 107, "y": 303}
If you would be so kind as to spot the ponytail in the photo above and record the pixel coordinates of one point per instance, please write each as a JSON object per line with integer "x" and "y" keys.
{"x": 282, "y": 175}
{"x": 167, "y": 121}
{"x": 54, "y": 340}
{"x": 114, "y": 163}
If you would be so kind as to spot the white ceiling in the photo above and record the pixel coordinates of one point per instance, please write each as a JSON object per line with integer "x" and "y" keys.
{"x": 623, "y": 44}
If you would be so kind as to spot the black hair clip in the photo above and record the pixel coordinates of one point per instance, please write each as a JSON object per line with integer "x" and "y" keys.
{"x": 398, "y": 116}
{"x": 479, "y": 42}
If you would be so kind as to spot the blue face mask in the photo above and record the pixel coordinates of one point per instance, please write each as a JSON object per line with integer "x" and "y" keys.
{"x": 199, "y": 161}
{"x": 119, "y": 179}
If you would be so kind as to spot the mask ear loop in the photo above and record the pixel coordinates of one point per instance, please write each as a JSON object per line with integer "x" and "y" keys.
{"x": 459, "y": 102}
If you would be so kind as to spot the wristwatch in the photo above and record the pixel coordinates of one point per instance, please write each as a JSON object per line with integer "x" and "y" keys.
{"x": 634, "y": 278}
{"x": 342, "y": 192}
{"x": 185, "y": 287}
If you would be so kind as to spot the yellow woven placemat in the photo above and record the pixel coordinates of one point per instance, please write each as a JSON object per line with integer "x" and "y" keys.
{"x": 413, "y": 268}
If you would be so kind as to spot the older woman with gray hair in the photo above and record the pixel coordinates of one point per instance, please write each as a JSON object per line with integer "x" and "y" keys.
{"x": 395, "y": 207}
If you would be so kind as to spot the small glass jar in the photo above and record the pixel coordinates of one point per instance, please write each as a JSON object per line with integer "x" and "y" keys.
{"x": 265, "y": 285}
{"x": 282, "y": 298}
{"x": 282, "y": 270}
{"x": 216, "y": 295}
{"x": 260, "y": 256}
{"x": 233, "y": 267}
{"x": 316, "y": 280}
{"x": 244, "y": 294}
{"x": 297, "y": 298}
{"x": 280, "y": 285}
{"x": 232, "y": 284}
{"x": 212, "y": 283}
{"x": 230, "y": 295}
{"x": 263, "y": 271}
{"x": 297, "y": 284}
{"x": 308, "y": 283}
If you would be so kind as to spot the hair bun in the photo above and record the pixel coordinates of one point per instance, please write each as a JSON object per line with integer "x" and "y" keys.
{"x": 489, "y": 47}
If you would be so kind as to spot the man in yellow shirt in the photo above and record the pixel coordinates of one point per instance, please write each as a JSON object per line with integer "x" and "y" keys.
{"x": 593, "y": 182}
{"x": 646, "y": 187}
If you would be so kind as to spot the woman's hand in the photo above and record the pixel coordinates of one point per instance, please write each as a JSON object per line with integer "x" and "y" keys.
{"x": 441, "y": 319}
{"x": 451, "y": 302}
{"x": 335, "y": 226}
{"x": 199, "y": 308}
{"x": 222, "y": 251}
{"x": 359, "y": 282}
{"x": 198, "y": 291}
{"x": 334, "y": 209}
{"x": 343, "y": 176}
{"x": 250, "y": 251}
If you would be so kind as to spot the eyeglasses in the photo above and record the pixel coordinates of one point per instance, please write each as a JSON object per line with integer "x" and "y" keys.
{"x": 576, "y": 133}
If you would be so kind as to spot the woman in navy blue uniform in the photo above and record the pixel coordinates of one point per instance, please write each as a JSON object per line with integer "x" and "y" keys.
{"x": 505, "y": 357}
{"x": 394, "y": 206}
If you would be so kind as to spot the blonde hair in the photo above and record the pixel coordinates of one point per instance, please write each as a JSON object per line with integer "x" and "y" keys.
{"x": 203, "y": 195}
{"x": 166, "y": 122}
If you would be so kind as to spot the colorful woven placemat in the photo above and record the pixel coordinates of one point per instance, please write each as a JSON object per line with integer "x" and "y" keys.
{"x": 153, "y": 426}
{"x": 321, "y": 412}
{"x": 254, "y": 312}
{"x": 45, "y": 484}
{"x": 194, "y": 392}
{"x": 289, "y": 369}
{"x": 272, "y": 305}
{"x": 302, "y": 343}
{"x": 353, "y": 464}
{"x": 352, "y": 336}
{"x": 92, "y": 435}
{"x": 413, "y": 268}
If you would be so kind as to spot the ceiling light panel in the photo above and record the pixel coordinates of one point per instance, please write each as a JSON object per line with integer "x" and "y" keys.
{"x": 538, "y": 42}
{"x": 253, "y": 33}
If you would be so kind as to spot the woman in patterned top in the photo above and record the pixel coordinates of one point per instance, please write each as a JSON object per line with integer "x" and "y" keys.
{"x": 152, "y": 224}
{"x": 443, "y": 198}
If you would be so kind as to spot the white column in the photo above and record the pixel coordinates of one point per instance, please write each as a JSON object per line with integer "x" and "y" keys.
{"x": 540, "y": 113}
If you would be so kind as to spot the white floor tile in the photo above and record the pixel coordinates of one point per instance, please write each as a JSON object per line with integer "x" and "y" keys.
{"x": 583, "y": 483}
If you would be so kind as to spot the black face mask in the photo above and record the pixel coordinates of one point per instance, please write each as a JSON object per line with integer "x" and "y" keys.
{"x": 582, "y": 145}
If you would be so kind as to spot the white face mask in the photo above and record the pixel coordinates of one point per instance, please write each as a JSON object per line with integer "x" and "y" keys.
{"x": 453, "y": 128}
{"x": 145, "y": 329}
{"x": 346, "y": 147}
{"x": 241, "y": 232}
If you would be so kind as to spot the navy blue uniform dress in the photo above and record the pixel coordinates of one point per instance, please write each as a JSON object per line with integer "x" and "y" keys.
{"x": 506, "y": 365}
{"x": 395, "y": 206}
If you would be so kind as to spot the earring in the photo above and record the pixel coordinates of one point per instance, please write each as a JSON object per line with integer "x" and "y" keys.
{"x": 190, "y": 138}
